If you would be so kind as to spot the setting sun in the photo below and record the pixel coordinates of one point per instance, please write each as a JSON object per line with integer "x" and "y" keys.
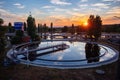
{"x": 85, "y": 24}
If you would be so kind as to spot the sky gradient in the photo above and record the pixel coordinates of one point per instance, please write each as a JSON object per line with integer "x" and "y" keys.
{"x": 60, "y": 12}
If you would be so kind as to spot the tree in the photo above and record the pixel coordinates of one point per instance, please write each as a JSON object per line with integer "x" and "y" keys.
{"x": 17, "y": 39}
{"x": 10, "y": 28}
{"x": 45, "y": 29}
{"x": 40, "y": 29}
{"x": 65, "y": 29}
{"x": 111, "y": 28}
{"x": 94, "y": 27}
{"x": 3, "y": 30}
{"x": 51, "y": 27}
{"x": 97, "y": 29}
{"x": 78, "y": 29}
{"x": 19, "y": 33}
{"x": 25, "y": 26}
{"x": 31, "y": 30}
{"x": 9, "y": 24}
{"x": 90, "y": 26}
{"x": 72, "y": 31}
{"x": 1, "y": 21}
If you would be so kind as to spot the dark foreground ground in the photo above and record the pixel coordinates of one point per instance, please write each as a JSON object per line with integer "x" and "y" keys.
{"x": 22, "y": 72}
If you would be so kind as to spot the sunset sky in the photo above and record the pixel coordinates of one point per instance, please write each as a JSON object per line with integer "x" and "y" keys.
{"x": 60, "y": 12}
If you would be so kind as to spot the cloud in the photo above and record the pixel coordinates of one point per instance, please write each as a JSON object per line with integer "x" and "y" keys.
{"x": 110, "y": 0}
{"x": 83, "y": 0}
{"x": 57, "y": 17}
{"x": 109, "y": 16}
{"x": 83, "y": 5}
{"x": 6, "y": 14}
{"x": 62, "y": 20}
{"x": 11, "y": 17}
{"x": 101, "y": 5}
{"x": 115, "y": 11}
{"x": 74, "y": 13}
{"x": 76, "y": 9}
{"x": 47, "y": 7}
{"x": 96, "y": 9}
{"x": 77, "y": 17}
{"x": 37, "y": 12}
{"x": 110, "y": 20}
{"x": 107, "y": 0}
{"x": 18, "y": 5}
{"x": 60, "y": 2}
{"x": 70, "y": 16}
{"x": 58, "y": 20}
{"x": 1, "y": 2}
{"x": 59, "y": 9}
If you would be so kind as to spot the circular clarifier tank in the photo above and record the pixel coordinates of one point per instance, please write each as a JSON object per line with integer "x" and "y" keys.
{"x": 68, "y": 55}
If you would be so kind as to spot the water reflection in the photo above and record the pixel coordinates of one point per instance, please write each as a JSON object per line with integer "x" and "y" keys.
{"x": 78, "y": 55}
{"x": 92, "y": 51}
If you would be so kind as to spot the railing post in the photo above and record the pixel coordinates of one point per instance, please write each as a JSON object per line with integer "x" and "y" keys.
{"x": 27, "y": 57}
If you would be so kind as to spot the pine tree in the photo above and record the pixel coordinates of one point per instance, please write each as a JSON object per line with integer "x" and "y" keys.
{"x": 31, "y": 29}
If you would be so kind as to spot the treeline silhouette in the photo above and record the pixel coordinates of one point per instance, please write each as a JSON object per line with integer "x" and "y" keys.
{"x": 111, "y": 28}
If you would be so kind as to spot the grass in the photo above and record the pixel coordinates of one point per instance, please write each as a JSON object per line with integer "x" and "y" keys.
{"x": 22, "y": 72}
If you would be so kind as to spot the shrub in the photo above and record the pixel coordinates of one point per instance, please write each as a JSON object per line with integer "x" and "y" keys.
{"x": 16, "y": 40}
{"x": 19, "y": 33}
{"x": 37, "y": 38}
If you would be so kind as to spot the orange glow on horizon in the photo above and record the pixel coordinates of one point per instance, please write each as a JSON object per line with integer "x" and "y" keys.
{"x": 64, "y": 22}
{"x": 85, "y": 24}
